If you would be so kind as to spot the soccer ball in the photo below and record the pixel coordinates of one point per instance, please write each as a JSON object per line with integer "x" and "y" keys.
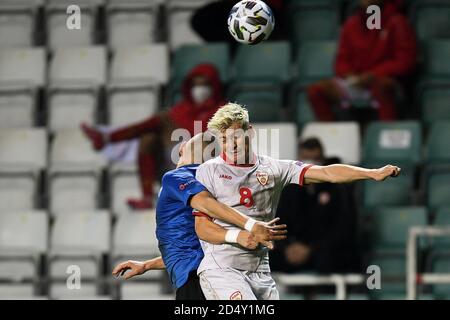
{"x": 251, "y": 21}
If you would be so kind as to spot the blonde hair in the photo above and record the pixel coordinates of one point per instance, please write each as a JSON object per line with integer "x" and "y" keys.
{"x": 227, "y": 115}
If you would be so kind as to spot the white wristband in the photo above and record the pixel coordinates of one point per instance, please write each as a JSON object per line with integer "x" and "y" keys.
{"x": 249, "y": 224}
{"x": 231, "y": 236}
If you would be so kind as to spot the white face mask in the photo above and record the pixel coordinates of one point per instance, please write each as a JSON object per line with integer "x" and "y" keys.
{"x": 201, "y": 93}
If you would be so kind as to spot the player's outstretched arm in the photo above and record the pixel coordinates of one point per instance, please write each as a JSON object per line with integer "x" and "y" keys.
{"x": 137, "y": 267}
{"x": 213, "y": 233}
{"x": 341, "y": 173}
{"x": 264, "y": 232}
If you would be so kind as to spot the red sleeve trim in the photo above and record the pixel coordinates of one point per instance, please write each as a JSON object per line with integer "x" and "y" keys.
{"x": 200, "y": 214}
{"x": 301, "y": 180}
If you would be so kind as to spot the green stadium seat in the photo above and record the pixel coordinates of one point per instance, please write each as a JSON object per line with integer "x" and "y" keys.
{"x": 441, "y": 219}
{"x": 390, "y": 226}
{"x": 264, "y": 104}
{"x": 302, "y": 108}
{"x": 432, "y": 19}
{"x": 438, "y": 190}
{"x": 438, "y": 147}
{"x": 396, "y": 142}
{"x": 266, "y": 62}
{"x": 435, "y": 104}
{"x": 437, "y": 63}
{"x": 313, "y": 20}
{"x": 356, "y": 296}
{"x": 188, "y": 56}
{"x": 393, "y": 277}
{"x": 391, "y": 192}
{"x": 441, "y": 264}
{"x": 315, "y": 60}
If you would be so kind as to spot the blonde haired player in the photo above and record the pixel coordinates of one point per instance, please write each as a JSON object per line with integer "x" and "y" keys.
{"x": 252, "y": 184}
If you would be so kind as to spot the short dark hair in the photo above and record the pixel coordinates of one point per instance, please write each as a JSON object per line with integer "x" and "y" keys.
{"x": 310, "y": 144}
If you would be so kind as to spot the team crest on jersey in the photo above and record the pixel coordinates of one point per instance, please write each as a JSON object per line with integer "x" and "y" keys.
{"x": 236, "y": 296}
{"x": 262, "y": 177}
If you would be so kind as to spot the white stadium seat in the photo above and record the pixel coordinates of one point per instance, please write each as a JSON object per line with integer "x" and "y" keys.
{"x": 22, "y": 72}
{"x": 134, "y": 234}
{"x": 85, "y": 65}
{"x": 56, "y": 19}
{"x": 60, "y": 291}
{"x": 277, "y": 140}
{"x": 142, "y": 291}
{"x": 79, "y": 239}
{"x": 131, "y": 22}
{"x": 23, "y": 238}
{"x": 340, "y": 139}
{"x": 16, "y": 291}
{"x": 17, "y": 192}
{"x": 71, "y": 151}
{"x": 73, "y": 192}
{"x": 17, "y": 23}
{"x": 179, "y": 22}
{"x": 145, "y": 62}
{"x": 124, "y": 186}
{"x": 23, "y": 150}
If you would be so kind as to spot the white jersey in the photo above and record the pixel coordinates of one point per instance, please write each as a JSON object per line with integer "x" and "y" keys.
{"x": 254, "y": 191}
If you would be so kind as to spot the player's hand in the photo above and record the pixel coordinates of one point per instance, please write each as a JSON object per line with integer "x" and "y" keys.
{"x": 247, "y": 240}
{"x": 266, "y": 232}
{"x": 386, "y": 171}
{"x": 136, "y": 267}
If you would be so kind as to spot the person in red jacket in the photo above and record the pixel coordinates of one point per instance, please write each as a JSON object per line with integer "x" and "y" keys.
{"x": 370, "y": 63}
{"x": 202, "y": 96}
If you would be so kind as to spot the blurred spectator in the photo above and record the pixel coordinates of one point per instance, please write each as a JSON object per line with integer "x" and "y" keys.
{"x": 321, "y": 223}
{"x": 218, "y": 12}
{"x": 370, "y": 64}
{"x": 202, "y": 96}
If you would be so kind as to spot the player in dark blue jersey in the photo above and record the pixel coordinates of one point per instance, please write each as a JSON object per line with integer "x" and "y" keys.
{"x": 179, "y": 244}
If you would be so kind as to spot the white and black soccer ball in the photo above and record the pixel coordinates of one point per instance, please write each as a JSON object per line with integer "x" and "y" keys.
{"x": 251, "y": 21}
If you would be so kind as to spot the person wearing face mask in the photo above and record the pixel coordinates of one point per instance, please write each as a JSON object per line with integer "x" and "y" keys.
{"x": 201, "y": 97}
{"x": 322, "y": 223}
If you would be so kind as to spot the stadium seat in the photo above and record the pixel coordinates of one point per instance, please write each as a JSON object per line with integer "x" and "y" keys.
{"x": 431, "y": 19}
{"x": 72, "y": 193}
{"x": 441, "y": 219}
{"x": 179, "y": 14}
{"x": 143, "y": 291}
{"x": 124, "y": 186}
{"x": 187, "y": 57}
{"x": 16, "y": 291}
{"x": 60, "y": 291}
{"x": 17, "y": 23}
{"x": 392, "y": 192}
{"x": 441, "y": 265}
{"x": 437, "y": 143}
{"x": 17, "y": 192}
{"x": 277, "y": 140}
{"x": 263, "y": 102}
{"x": 300, "y": 106}
{"x": 266, "y": 62}
{"x": 339, "y": 139}
{"x": 390, "y": 226}
{"x": 393, "y": 276}
{"x": 437, "y": 66}
{"x": 438, "y": 190}
{"x": 315, "y": 61}
{"x": 134, "y": 234}
{"x": 435, "y": 104}
{"x": 80, "y": 65}
{"x": 23, "y": 238}
{"x": 72, "y": 152}
{"x": 131, "y": 22}
{"x": 59, "y": 35}
{"x": 313, "y": 20}
{"x": 398, "y": 142}
{"x": 22, "y": 73}
{"x": 79, "y": 238}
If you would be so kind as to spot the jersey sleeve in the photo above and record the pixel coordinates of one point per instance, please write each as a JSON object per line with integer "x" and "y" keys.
{"x": 293, "y": 172}
{"x": 182, "y": 187}
{"x": 205, "y": 176}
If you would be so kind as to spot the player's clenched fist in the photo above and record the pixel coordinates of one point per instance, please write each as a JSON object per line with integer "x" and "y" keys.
{"x": 247, "y": 240}
{"x": 136, "y": 268}
{"x": 386, "y": 171}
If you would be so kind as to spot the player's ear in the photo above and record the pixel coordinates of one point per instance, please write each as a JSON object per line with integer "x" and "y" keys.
{"x": 182, "y": 147}
{"x": 251, "y": 131}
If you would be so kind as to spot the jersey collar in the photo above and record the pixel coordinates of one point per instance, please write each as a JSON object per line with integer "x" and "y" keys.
{"x": 249, "y": 165}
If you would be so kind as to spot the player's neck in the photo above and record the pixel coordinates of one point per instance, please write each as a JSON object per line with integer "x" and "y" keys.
{"x": 247, "y": 162}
